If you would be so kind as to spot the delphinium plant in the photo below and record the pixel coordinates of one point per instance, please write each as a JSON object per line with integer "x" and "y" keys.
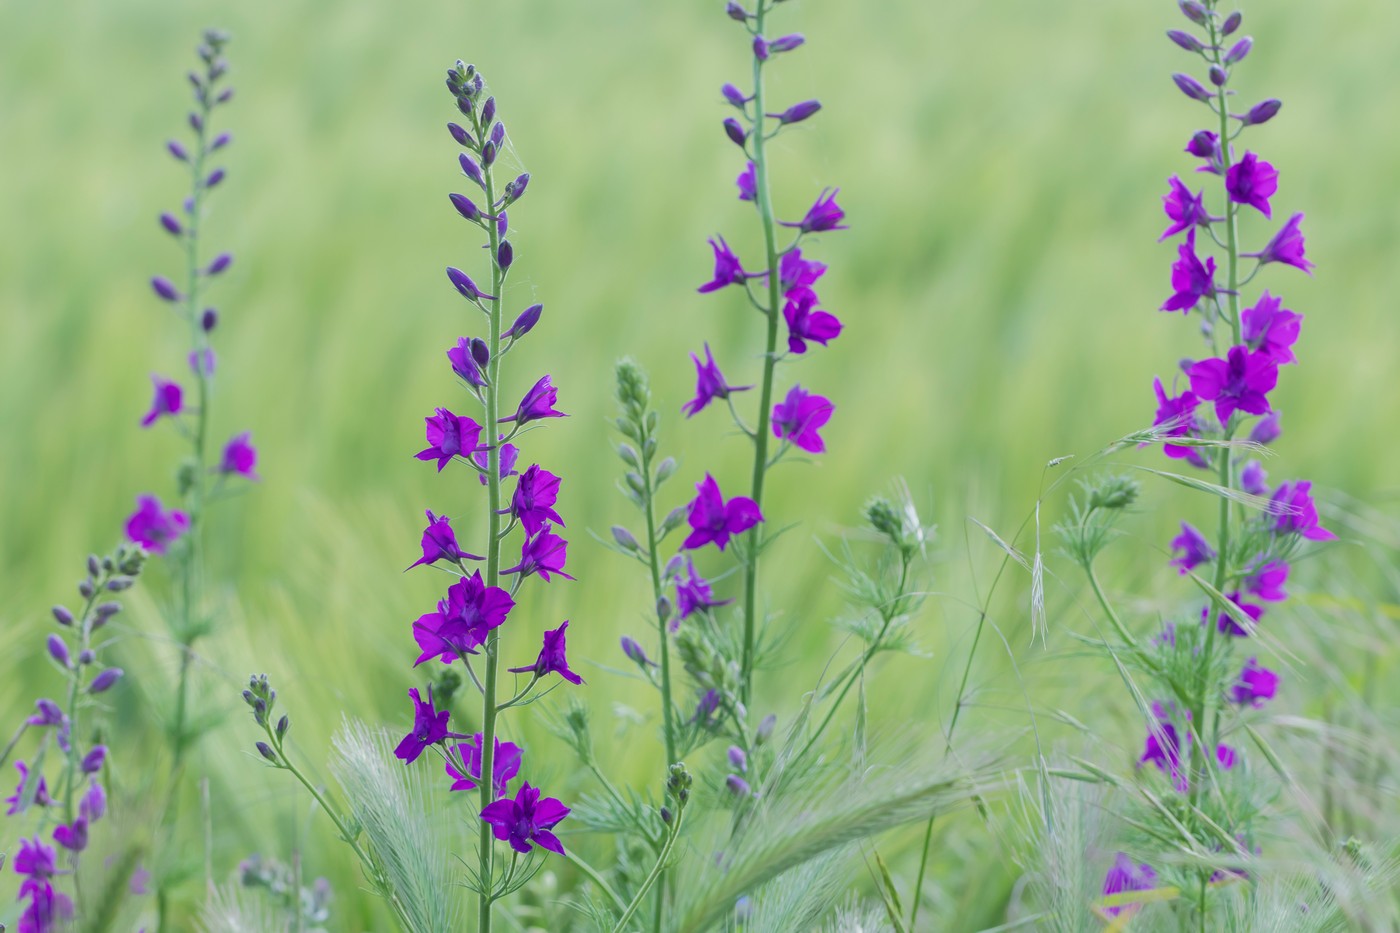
{"x": 206, "y": 473}
{"x": 73, "y": 748}
{"x": 1203, "y": 769}
{"x": 516, "y": 543}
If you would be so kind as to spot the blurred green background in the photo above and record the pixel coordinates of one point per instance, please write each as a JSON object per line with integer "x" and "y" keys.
{"x": 1001, "y": 164}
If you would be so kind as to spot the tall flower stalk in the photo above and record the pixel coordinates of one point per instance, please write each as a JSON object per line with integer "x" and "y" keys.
{"x": 1213, "y": 416}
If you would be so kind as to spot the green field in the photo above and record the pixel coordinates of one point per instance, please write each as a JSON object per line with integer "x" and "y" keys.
{"x": 1001, "y": 165}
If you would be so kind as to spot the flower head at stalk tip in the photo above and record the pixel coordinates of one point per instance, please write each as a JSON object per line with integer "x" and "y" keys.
{"x": 712, "y": 519}
{"x": 439, "y": 542}
{"x": 1266, "y": 580}
{"x": 728, "y": 269}
{"x": 710, "y": 384}
{"x": 1191, "y": 279}
{"x": 806, "y": 321}
{"x": 429, "y": 727}
{"x": 824, "y": 214}
{"x": 1231, "y": 621}
{"x": 240, "y": 457}
{"x": 1286, "y": 247}
{"x": 505, "y": 764}
{"x": 1195, "y": 549}
{"x": 537, "y": 403}
{"x": 1127, "y": 875}
{"x": 693, "y": 594}
{"x": 1252, "y": 181}
{"x": 553, "y": 658}
{"x": 449, "y": 436}
{"x": 154, "y": 528}
{"x": 1184, "y": 209}
{"x": 1297, "y": 513}
{"x": 799, "y": 417}
{"x": 747, "y": 183}
{"x": 536, "y": 491}
{"x": 526, "y": 819}
{"x": 543, "y": 553}
{"x": 1255, "y": 685}
{"x": 1240, "y": 382}
{"x": 168, "y": 400}
{"x": 462, "y": 620}
{"x": 1271, "y": 328}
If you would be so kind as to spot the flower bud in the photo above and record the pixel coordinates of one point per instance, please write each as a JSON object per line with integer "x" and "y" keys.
{"x": 1268, "y": 430}
{"x": 462, "y": 136}
{"x": 488, "y": 110}
{"x": 665, "y": 470}
{"x": 736, "y": 12}
{"x": 1239, "y": 50}
{"x": 666, "y": 815}
{"x": 214, "y": 178}
{"x": 1262, "y": 112}
{"x": 734, "y": 131}
{"x": 86, "y": 589}
{"x": 220, "y": 263}
{"x": 734, "y": 96}
{"x": 525, "y": 323}
{"x": 58, "y": 650}
{"x": 225, "y": 97}
{"x": 117, "y": 584}
{"x": 178, "y": 151}
{"x": 62, "y": 616}
{"x": 464, "y": 105}
{"x": 104, "y": 681}
{"x": 498, "y": 134}
{"x": 1218, "y": 76}
{"x": 760, "y": 48}
{"x": 501, "y": 223}
{"x": 94, "y": 759}
{"x": 209, "y": 320}
{"x": 738, "y": 786}
{"x": 471, "y": 169}
{"x": 798, "y": 112}
{"x": 266, "y": 751}
{"x": 220, "y": 141}
{"x": 515, "y": 190}
{"x": 196, "y": 122}
{"x": 765, "y": 728}
{"x": 624, "y": 538}
{"x": 86, "y": 656}
{"x": 463, "y": 283}
{"x": 663, "y": 609}
{"x": 171, "y": 224}
{"x": 738, "y": 759}
{"x": 1232, "y": 22}
{"x": 283, "y": 725}
{"x": 481, "y": 353}
{"x": 786, "y": 43}
{"x": 1191, "y": 87}
{"x": 634, "y": 652}
{"x": 1194, "y": 11}
{"x": 103, "y": 612}
{"x": 505, "y": 255}
{"x": 1187, "y": 41}
{"x": 465, "y": 207}
{"x": 488, "y": 153}
{"x": 164, "y": 288}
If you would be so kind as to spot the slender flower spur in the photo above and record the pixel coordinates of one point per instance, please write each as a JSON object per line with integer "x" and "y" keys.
{"x": 470, "y": 621}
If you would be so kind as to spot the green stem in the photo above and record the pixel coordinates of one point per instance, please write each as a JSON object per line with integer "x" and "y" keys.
{"x": 485, "y": 843}
{"x": 764, "y": 200}
{"x": 667, "y": 707}
{"x": 651, "y": 879}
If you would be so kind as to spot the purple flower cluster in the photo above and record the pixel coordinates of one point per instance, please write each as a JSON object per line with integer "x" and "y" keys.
{"x": 468, "y": 620}
{"x": 78, "y": 799}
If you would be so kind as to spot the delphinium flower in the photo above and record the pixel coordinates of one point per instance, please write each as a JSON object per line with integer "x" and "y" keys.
{"x": 76, "y": 800}
{"x": 1244, "y": 562}
{"x": 480, "y": 605}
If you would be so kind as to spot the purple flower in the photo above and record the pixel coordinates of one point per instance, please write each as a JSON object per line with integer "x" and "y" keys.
{"x": 464, "y": 365}
{"x": 728, "y": 270}
{"x": 105, "y": 680}
{"x": 505, "y": 764}
{"x": 734, "y": 96}
{"x": 463, "y": 283}
{"x": 796, "y": 272}
{"x": 165, "y": 289}
{"x": 552, "y": 659}
{"x": 824, "y": 214}
{"x": 1225, "y": 755}
{"x": 538, "y": 403}
{"x": 1267, "y": 430}
{"x": 799, "y": 417}
{"x": 1163, "y": 747}
{"x": 47, "y": 713}
{"x": 169, "y": 400}
{"x": 735, "y": 131}
{"x": 58, "y": 650}
{"x": 707, "y": 707}
{"x": 1127, "y": 875}
{"x": 806, "y": 322}
{"x": 738, "y": 786}
{"x": 1271, "y": 328}
{"x": 713, "y": 519}
{"x": 1240, "y": 382}
{"x": 429, "y": 727}
{"x": 524, "y": 323}
{"x": 46, "y": 910}
{"x": 1252, "y": 181}
{"x": 1191, "y": 281}
{"x": 1179, "y": 413}
{"x": 1206, "y": 145}
{"x": 240, "y": 456}
{"x": 202, "y": 362}
{"x": 796, "y": 114}
{"x": 1266, "y": 580}
{"x": 1297, "y": 514}
{"x": 1184, "y": 209}
{"x": 1256, "y": 684}
{"x": 1231, "y": 620}
{"x": 1195, "y": 549}
{"x": 508, "y": 457}
{"x": 1262, "y": 112}
{"x": 709, "y": 384}
{"x": 462, "y": 621}
{"x": 526, "y": 819}
{"x": 440, "y": 543}
{"x": 94, "y": 803}
{"x": 533, "y": 503}
{"x": 449, "y": 436}
{"x": 1253, "y": 479}
{"x": 152, "y": 527}
{"x": 1286, "y": 247}
{"x": 693, "y": 593}
{"x": 72, "y": 837}
{"x": 747, "y": 183}
{"x": 19, "y": 801}
{"x": 543, "y": 553}
{"x": 92, "y": 762}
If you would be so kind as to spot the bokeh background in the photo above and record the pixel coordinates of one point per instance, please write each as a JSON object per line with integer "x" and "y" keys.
{"x": 1001, "y": 164}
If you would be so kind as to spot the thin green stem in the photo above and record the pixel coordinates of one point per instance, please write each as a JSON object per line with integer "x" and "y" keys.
{"x": 764, "y": 199}
{"x": 651, "y": 878}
